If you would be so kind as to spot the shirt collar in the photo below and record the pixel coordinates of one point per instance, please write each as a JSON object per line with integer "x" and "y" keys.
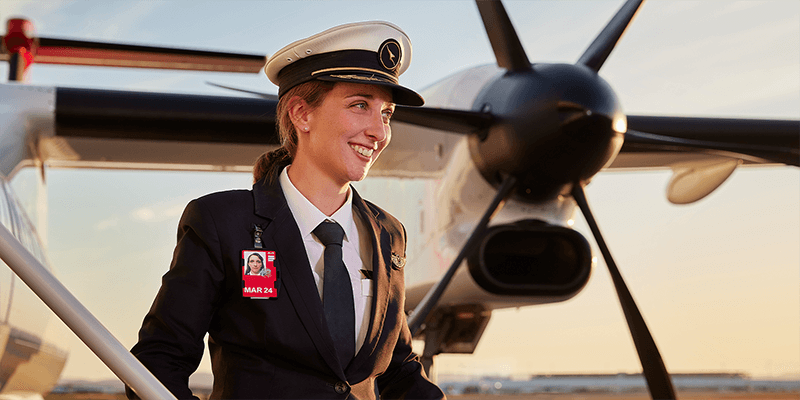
{"x": 308, "y": 216}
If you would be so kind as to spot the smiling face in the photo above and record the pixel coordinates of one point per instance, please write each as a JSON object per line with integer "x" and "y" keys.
{"x": 255, "y": 264}
{"x": 347, "y": 132}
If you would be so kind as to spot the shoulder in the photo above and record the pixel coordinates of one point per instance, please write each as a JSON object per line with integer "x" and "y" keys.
{"x": 226, "y": 197}
{"x": 388, "y": 221}
{"x": 391, "y": 225}
{"x": 219, "y": 205}
{"x": 228, "y": 200}
{"x": 382, "y": 216}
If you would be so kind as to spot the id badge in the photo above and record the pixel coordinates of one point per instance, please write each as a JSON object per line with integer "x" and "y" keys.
{"x": 259, "y": 274}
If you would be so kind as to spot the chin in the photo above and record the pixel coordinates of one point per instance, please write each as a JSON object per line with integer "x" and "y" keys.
{"x": 358, "y": 174}
{"x": 357, "y": 178}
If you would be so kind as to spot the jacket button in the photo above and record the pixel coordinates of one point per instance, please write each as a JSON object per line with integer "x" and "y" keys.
{"x": 340, "y": 387}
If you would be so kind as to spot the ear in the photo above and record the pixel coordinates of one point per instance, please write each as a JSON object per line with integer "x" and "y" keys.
{"x": 299, "y": 113}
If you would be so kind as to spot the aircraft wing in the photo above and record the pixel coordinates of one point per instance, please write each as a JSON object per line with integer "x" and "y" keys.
{"x": 669, "y": 141}
{"x": 91, "y": 128}
{"x": 94, "y": 128}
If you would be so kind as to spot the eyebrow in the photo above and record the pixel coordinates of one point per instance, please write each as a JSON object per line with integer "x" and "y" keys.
{"x": 369, "y": 96}
{"x": 365, "y": 95}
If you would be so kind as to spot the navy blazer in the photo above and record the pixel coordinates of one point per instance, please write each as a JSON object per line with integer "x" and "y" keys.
{"x": 276, "y": 348}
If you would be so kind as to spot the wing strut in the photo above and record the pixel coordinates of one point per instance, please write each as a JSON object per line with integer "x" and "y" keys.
{"x": 435, "y": 293}
{"x": 658, "y": 380}
{"x": 79, "y": 319}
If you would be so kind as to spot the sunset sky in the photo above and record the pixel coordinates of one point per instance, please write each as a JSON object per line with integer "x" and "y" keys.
{"x": 718, "y": 281}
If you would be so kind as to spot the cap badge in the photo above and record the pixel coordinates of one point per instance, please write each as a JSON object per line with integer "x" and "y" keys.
{"x": 390, "y": 54}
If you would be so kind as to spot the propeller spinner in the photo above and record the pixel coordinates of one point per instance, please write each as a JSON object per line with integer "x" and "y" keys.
{"x": 555, "y": 125}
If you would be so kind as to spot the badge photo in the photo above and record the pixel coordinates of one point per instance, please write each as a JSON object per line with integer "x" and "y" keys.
{"x": 259, "y": 274}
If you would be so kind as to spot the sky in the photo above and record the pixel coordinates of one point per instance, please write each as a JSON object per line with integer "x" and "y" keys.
{"x": 718, "y": 281}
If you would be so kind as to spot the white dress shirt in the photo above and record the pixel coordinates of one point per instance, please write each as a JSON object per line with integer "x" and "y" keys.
{"x": 356, "y": 248}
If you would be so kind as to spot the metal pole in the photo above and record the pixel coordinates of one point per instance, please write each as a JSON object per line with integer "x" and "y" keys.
{"x": 79, "y": 319}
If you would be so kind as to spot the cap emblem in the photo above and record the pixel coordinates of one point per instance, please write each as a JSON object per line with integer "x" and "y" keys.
{"x": 389, "y": 54}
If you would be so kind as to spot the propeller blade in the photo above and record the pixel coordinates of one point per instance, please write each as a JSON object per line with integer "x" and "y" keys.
{"x": 604, "y": 43}
{"x": 506, "y": 45}
{"x": 114, "y": 114}
{"x": 456, "y": 121}
{"x": 771, "y": 140}
{"x": 80, "y": 52}
{"x": 658, "y": 380}
{"x": 430, "y": 300}
{"x": 267, "y": 96}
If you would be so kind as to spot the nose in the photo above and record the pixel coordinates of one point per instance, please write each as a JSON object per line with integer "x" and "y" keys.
{"x": 376, "y": 129}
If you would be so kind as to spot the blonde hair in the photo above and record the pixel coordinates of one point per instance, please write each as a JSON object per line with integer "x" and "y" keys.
{"x": 270, "y": 163}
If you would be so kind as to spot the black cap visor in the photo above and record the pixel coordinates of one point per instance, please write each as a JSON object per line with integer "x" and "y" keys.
{"x": 400, "y": 95}
{"x": 354, "y": 66}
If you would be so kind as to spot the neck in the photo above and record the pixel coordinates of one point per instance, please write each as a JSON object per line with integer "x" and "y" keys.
{"x": 328, "y": 196}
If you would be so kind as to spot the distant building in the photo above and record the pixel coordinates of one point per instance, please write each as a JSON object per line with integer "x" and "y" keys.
{"x": 613, "y": 383}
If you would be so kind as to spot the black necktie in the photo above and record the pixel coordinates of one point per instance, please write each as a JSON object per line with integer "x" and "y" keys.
{"x": 337, "y": 292}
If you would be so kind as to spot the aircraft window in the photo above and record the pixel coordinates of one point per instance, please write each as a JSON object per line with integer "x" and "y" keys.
{"x": 23, "y": 229}
{"x": 5, "y": 214}
{"x": 6, "y": 276}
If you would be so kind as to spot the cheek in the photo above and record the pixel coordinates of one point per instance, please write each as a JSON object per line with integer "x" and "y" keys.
{"x": 382, "y": 145}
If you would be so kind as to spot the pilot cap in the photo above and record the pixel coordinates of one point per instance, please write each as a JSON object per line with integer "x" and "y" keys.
{"x": 374, "y": 52}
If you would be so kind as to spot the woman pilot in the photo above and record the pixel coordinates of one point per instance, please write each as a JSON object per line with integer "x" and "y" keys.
{"x": 335, "y": 326}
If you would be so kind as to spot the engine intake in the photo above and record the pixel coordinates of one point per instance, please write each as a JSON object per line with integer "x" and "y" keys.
{"x": 531, "y": 258}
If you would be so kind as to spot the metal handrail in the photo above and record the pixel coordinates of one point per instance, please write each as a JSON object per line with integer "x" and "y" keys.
{"x": 79, "y": 319}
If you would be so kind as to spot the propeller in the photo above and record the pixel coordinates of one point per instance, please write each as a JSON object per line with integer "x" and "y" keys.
{"x": 453, "y": 121}
{"x": 506, "y": 45}
{"x": 598, "y": 51}
{"x": 563, "y": 115}
{"x": 658, "y": 380}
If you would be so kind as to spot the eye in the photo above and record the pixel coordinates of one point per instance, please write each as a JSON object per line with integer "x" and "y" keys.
{"x": 387, "y": 115}
{"x": 360, "y": 105}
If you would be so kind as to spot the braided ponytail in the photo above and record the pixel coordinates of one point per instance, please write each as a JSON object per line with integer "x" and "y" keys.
{"x": 272, "y": 162}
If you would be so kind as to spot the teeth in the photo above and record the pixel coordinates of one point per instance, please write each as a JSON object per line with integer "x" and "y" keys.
{"x": 362, "y": 150}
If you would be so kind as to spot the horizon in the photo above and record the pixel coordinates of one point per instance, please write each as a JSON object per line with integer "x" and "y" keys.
{"x": 703, "y": 274}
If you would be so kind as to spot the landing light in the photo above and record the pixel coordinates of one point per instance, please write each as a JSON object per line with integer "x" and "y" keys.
{"x": 620, "y": 124}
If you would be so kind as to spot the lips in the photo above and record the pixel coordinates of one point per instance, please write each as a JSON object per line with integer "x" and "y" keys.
{"x": 362, "y": 150}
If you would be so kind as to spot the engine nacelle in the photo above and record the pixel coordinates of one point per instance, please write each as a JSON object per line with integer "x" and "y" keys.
{"x": 531, "y": 258}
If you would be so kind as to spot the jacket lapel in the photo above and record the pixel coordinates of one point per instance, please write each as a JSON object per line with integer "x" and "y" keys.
{"x": 381, "y": 274}
{"x": 296, "y": 273}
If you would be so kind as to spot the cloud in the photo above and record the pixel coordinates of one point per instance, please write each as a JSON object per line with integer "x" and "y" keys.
{"x": 158, "y": 212}
{"x": 143, "y": 214}
{"x": 107, "y": 223}
{"x": 153, "y": 213}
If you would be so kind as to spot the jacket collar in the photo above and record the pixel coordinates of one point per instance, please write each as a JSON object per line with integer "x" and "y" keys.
{"x": 381, "y": 274}
{"x": 299, "y": 283}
